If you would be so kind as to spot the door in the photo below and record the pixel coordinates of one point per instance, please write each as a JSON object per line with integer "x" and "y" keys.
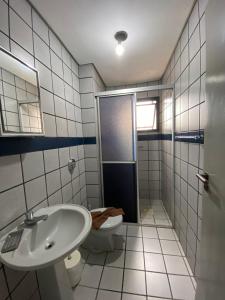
{"x": 211, "y": 281}
{"x": 118, "y": 153}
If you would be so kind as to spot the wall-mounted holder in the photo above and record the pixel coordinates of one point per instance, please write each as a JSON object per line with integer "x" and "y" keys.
{"x": 71, "y": 165}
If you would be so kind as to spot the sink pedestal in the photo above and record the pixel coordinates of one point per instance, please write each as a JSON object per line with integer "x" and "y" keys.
{"x": 54, "y": 283}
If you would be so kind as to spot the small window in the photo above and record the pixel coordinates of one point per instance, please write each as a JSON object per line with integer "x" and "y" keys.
{"x": 147, "y": 118}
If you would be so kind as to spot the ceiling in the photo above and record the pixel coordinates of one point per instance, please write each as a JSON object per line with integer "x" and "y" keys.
{"x": 87, "y": 28}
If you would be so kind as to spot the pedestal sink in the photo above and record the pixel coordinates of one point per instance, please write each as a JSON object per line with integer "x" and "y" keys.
{"x": 44, "y": 246}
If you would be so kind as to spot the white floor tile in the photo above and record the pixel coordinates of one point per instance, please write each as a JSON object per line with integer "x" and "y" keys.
{"x": 134, "y": 260}
{"x": 160, "y": 215}
{"x": 153, "y": 298}
{"x": 134, "y": 282}
{"x": 96, "y": 259}
{"x": 148, "y": 221}
{"x": 134, "y": 244}
{"x": 112, "y": 279}
{"x": 170, "y": 247}
{"x": 162, "y": 222}
{"x": 91, "y": 276}
{"x": 182, "y": 287}
{"x": 149, "y": 232}
{"x": 154, "y": 262}
{"x": 166, "y": 234}
{"x": 133, "y": 230}
{"x": 115, "y": 259}
{"x": 103, "y": 295}
{"x": 84, "y": 293}
{"x": 175, "y": 265}
{"x": 157, "y": 285}
{"x": 152, "y": 245}
{"x": 132, "y": 297}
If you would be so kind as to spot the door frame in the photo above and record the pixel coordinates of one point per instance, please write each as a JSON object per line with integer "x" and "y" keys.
{"x": 132, "y": 91}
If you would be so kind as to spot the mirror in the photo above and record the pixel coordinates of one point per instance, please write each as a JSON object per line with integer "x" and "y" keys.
{"x": 19, "y": 97}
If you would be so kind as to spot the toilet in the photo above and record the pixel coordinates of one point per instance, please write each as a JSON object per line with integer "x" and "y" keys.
{"x": 102, "y": 239}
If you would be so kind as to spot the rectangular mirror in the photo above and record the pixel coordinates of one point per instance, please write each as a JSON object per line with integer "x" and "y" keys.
{"x": 19, "y": 97}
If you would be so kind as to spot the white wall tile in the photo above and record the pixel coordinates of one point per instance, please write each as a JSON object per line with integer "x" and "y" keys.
{"x": 47, "y": 102}
{"x": 61, "y": 125}
{"x": 60, "y": 107}
{"x": 64, "y": 156}
{"x": 4, "y": 17}
{"x": 86, "y": 85}
{"x": 21, "y": 32}
{"x": 10, "y": 172}
{"x": 56, "y": 64}
{"x": 194, "y": 43}
{"x": 194, "y": 19}
{"x": 51, "y": 160}
{"x": 44, "y": 76}
{"x": 4, "y": 41}
{"x": 35, "y": 191}
{"x": 202, "y": 6}
{"x": 55, "y": 44}
{"x": 33, "y": 165}
{"x": 194, "y": 94}
{"x": 40, "y": 27}
{"x": 194, "y": 69}
{"x": 58, "y": 86}
{"x": 53, "y": 182}
{"x": 49, "y": 125}
{"x": 23, "y": 9}
{"x": 41, "y": 51}
{"x": 12, "y": 205}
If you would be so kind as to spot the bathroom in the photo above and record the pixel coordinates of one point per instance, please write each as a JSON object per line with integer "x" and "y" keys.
{"x": 155, "y": 151}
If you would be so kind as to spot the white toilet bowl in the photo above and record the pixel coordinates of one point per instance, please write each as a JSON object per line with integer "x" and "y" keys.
{"x": 102, "y": 239}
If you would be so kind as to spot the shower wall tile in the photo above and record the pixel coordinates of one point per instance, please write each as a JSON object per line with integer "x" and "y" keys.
{"x": 190, "y": 115}
{"x": 90, "y": 82}
{"x": 38, "y": 179}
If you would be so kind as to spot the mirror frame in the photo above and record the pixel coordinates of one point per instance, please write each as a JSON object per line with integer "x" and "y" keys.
{"x": 22, "y": 134}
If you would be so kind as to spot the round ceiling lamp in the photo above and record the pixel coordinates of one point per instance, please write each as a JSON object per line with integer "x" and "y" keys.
{"x": 120, "y": 37}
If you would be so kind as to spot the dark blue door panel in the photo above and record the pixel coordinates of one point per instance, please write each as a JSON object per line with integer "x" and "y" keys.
{"x": 120, "y": 188}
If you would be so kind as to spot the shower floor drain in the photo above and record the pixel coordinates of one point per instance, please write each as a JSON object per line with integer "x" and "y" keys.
{"x": 49, "y": 245}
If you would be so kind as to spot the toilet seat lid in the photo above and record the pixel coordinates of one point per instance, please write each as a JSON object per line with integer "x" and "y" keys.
{"x": 111, "y": 222}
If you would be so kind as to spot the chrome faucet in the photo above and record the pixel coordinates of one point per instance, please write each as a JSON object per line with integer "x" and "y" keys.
{"x": 31, "y": 220}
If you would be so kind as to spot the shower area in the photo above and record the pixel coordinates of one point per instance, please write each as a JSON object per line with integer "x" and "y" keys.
{"x": 135, "y": 157}
{"x": 153, "y": 210}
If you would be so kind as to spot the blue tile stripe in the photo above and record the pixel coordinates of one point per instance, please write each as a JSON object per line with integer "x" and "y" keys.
{"x": 196, "y": 137}
{"x": 19, "y": 145}
{"x": 188, "y": 137}
{"x": 150, "y": 137}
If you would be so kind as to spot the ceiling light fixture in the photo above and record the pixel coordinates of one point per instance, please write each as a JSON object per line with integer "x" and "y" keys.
{"x": 120, "y": 36}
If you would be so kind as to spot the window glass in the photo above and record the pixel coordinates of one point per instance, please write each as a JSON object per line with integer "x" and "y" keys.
{"x": 146, "y": 115}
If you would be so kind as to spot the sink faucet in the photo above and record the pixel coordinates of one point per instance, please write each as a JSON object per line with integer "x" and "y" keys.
{"x": 31, "y": 220}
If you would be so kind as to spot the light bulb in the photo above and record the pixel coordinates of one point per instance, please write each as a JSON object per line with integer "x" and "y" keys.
{"x": 119, "y": 49}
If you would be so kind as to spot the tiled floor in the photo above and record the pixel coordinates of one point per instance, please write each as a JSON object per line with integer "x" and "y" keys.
{"x": 153, "y": 213}
{"x": 147, "y": 264}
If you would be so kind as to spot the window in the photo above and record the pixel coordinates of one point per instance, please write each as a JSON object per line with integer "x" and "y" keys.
{"x": 147, "y": 118}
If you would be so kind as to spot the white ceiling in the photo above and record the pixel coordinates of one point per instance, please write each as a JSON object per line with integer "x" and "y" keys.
{"x": 87, "y": 28}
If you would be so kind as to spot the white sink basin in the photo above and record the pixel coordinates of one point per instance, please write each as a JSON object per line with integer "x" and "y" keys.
{"x": 48, "y": 242}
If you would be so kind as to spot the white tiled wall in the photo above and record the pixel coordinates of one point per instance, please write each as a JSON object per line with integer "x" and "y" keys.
{"x": 69, "y": 110}
{"x": 149, "y": 169}
{"x": 187, "y": 69}
{"x": 37, "y": 179}
{"x": 91, "y": 82}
